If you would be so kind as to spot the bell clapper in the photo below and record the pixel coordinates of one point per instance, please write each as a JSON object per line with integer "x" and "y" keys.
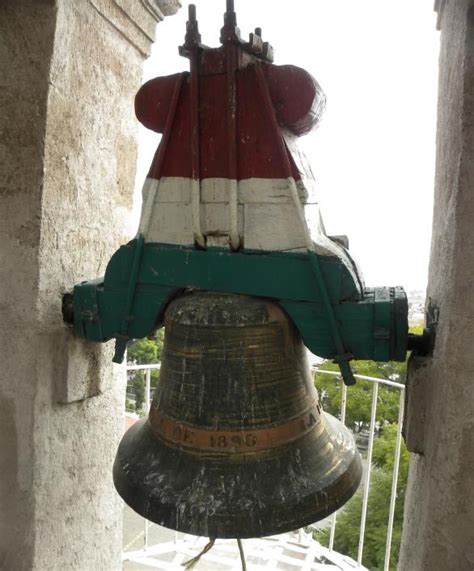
{"x": 242, "y": 554}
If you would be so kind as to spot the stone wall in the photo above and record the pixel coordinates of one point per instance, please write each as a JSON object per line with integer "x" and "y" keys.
{"x": 67, "y": 155}
{"x": 438, "y": 531}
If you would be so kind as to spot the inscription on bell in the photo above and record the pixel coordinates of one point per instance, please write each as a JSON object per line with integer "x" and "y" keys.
{"x": 183, "y": 434}
{"x": 232, "y": 441}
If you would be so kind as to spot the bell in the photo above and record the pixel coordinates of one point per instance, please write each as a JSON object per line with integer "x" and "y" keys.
{"x": 236, "y": 444}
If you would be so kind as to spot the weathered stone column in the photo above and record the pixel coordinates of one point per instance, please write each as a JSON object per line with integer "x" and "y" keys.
{"x": 67, "y": 155}
{"x": 438, "y": 532}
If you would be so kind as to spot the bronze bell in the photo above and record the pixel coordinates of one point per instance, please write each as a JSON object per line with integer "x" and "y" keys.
{"x": 236, "y": 444}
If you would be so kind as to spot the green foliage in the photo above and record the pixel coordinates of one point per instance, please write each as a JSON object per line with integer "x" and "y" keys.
{"x": 383, "y": 454}
{"x": 348, "y": 520}
{"x": 129, "y": 406}
{"x": 416, "y": 329}
{"x": 144, "y": 352}
{"x": 138, "y": 384}
{"x": 359, "y": 399}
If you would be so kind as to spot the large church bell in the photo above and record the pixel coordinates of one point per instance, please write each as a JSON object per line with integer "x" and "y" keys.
{"x": 236, "y": 444}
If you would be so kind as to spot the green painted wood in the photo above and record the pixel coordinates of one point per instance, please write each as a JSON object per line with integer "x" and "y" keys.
{"x": 372, "y": 324}
{"x": 382, "y": 315}
{"x": 277, "y": 273}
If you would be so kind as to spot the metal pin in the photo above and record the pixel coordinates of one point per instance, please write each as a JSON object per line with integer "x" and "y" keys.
{"x": 192, "y": 12}
{"x": 258, "y": 32}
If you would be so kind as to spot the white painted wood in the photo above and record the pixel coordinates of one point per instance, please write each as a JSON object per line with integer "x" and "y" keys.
{"x": 172, "y": 189}
{"x": 196, "y": 212}
{"x": 267, "y": 215}
{"x": 171, "y": 223}
{"x": 299, "y": 210}
{"x": 272, "y": 191}
{"x": 149, "y": 194}
{"x": 259, "y": 190}
{"x": 273, "y": 227}
{"x": 217, "y": 241}
{"x": 215, "y": 218}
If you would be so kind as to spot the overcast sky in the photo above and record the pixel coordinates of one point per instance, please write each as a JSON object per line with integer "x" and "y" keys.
{"x": 373, "y": 155}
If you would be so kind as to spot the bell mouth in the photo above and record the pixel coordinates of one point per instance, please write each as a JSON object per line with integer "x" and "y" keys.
{"x": 239, "y": 495}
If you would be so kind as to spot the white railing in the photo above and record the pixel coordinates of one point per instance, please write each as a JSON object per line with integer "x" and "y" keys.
{"x": 396, "y": 463}
{"x": 184, "y": 546}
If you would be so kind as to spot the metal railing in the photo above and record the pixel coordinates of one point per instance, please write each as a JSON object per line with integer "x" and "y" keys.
{"x": 148, "y": 369}
{"x": 396, "y": 463}
{"x": 340, "y": 560}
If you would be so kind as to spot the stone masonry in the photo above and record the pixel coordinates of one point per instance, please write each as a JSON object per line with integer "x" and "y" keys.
{"x": 67, "y": 153}
{"x": 438, "y": 531}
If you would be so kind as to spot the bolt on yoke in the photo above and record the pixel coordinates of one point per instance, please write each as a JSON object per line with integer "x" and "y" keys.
{"x": 224, "y": 209}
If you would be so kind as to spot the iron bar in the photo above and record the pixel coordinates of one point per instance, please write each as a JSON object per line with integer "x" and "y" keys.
{"x": 231, "y": 52}
{"x": 342, "y": 358}
{"x": 393, "y": 495}
{"x": 147, "y": 408}
{"x": 363, "y": 378}
{"x": 365, "y": 499}
{"x": 194, "y": 58}
{"x": 143, "y": 367}
{"x": 343, "y": 420}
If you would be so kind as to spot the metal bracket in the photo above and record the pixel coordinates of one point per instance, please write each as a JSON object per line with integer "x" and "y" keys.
{"x": 343, "y": 357}
{"x": 423, "y": 345}
{"x": 122, "y": 338}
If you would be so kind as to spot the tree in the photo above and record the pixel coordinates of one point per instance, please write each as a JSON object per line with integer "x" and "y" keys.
{"x": 359, "y": 400}
{"x": 383, "y": 454}
{"x": 138, "y": 384}
{"x": 348, "y": 521}
{"x": 358, "y": 416}
{"x": 145, "y": 351}
{"x": 129, "y": 405}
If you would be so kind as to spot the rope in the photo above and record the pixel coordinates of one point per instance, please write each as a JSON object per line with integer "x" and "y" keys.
{"x": 192, "y": 562}
{"x": 242, "y": 555}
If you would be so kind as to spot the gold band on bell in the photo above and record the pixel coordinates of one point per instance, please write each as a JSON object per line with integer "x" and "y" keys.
{"x": 179, "y": 434}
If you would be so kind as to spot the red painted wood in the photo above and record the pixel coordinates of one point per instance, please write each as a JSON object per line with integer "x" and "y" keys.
{"x": 296, "y": 100}
{"x": 153, "y": 100}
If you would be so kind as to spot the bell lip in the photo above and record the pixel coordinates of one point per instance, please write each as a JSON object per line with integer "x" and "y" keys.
{"x": 138, "y": 495}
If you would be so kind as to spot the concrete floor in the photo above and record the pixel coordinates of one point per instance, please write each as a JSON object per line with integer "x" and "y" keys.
{"x": 134, "y": 536}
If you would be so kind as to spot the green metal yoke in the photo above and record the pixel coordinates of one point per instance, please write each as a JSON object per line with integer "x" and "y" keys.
{"x": 141, "y": 278}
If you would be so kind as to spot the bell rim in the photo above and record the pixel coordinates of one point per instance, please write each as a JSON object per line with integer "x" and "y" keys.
{"x": 145, "y": 498}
